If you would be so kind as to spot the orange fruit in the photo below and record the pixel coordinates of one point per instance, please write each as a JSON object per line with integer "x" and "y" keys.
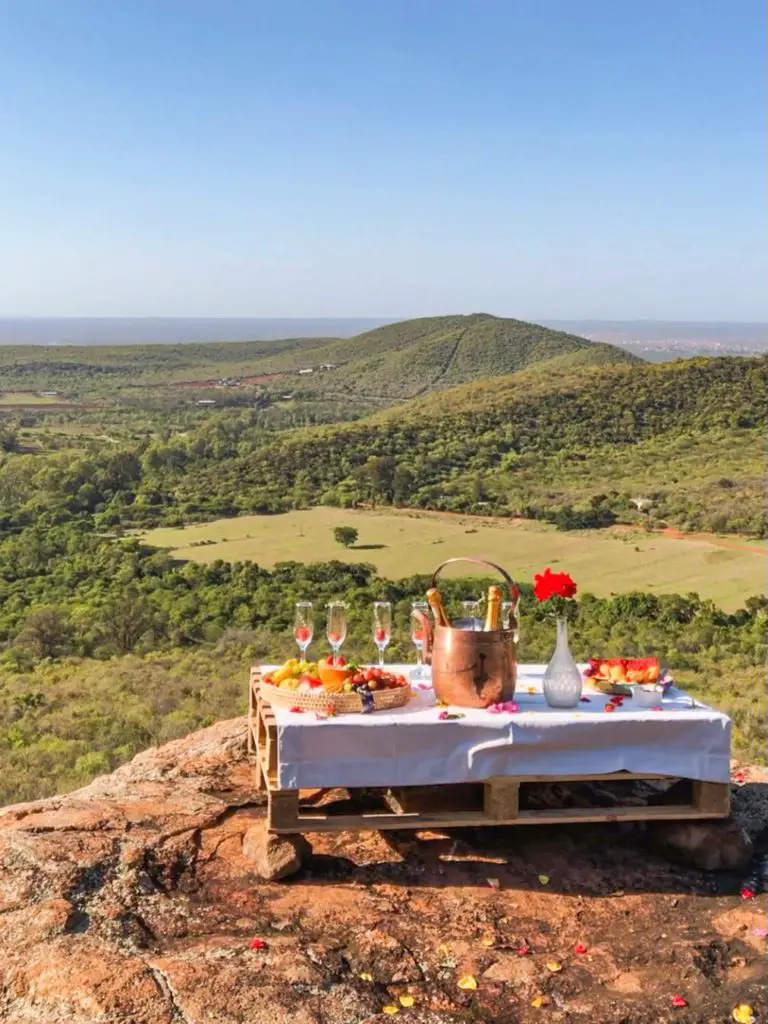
{"x": 333, "y": 677}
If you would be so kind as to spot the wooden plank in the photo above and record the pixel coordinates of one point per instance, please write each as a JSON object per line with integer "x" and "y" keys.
{"x": 501, "y": 798}
{"x": 712, "y": 798}
{"x": 283, "y": 810}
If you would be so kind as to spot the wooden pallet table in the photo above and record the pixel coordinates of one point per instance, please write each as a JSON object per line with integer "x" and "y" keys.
{"x": 496, "y": 801}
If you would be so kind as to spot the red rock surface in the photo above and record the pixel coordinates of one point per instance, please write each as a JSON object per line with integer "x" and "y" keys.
{"x": 132, "y": 902}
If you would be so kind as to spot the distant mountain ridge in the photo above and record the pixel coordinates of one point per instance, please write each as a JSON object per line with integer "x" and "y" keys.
{"x": 412, "y": 357}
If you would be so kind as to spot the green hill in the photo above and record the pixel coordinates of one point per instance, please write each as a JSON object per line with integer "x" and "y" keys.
{"x": 413, "y": 357}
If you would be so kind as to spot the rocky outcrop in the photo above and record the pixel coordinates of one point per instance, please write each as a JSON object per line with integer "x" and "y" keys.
{"x": 146, "y": 898}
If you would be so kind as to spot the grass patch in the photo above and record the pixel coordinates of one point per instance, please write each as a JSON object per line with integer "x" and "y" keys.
{"x": 604, "y": 562}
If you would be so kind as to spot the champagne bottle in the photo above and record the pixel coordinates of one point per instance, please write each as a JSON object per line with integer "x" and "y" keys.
{"x": 436, "y": 604}
{"x": 493, "y": 610}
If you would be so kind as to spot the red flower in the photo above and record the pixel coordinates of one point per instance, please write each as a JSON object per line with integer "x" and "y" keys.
{"x": 679, "y": 1001}
{"x": 553, "y": 584}
{"x": 747, "y": 894}
{"x": 258, "y": 944}
{"x": 580, "y": 948}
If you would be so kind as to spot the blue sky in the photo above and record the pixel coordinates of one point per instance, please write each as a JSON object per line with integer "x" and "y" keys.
{"x": 531, "y": 158}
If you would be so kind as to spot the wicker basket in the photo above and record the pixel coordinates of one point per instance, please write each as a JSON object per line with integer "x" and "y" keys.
{"x": 342, "y": 703}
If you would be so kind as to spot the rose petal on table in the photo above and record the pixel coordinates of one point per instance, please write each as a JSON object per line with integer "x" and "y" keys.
{"x": 467, "y": 982}
{"x": 297, "y": 710}
{"x": 555, "y": 966}
{"x": 258, "y": 944}
{"x": 406, "y": 1000}
{"x": 365, "y": 976}
{"x": 390, "y": 1009}
{"x": 747, "y": 894}
{"x": 657, "y": 707}
{"x": 544, "y": 879}
{"x": 679, "y": 1002}
{"x": 580, "y": 948}
{"x": 538, "y": 1001}
{"x": 743, "y": 1014}
{"x": 531, "y": 689}
{"x": 738, "y": 776}
{"x": 424, "y": 686}
{"x": 585, "y": 700}
{"x": 609, "y": 707}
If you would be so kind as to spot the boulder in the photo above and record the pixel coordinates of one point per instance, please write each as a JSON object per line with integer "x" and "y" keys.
{"x": 707, "y": 845}
{"x": 273, "y": 856}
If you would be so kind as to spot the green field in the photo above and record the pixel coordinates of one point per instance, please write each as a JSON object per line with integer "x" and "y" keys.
{"x": 27, "y": 398}
{"x": 402, "y": 543}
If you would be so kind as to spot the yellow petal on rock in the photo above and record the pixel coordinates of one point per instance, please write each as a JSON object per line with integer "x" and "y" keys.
{"x": 539, "y": 1001}
{"x": 391, "y": 1009}
{"x": 743, "y": 1014}
{"x": 407, "y": 1000}
{"x": 487, "y": 940}
{"x": 468, "y": 983}
{"x": 554, "y": 966}
{"x": 544, "y": 879}
{"x": 365, "y": 976}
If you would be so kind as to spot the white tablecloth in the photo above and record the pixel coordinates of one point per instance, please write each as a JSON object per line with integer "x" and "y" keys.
{"x": 412, "y": 746}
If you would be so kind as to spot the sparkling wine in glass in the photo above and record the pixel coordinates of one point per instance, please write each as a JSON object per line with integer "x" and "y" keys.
{"x": 303, "y": 626}
{"x": 336, "y": 626}
{"x": 471, "y": 611}
{"x": 418, "y": 634}
{"x": 382, "y": 627}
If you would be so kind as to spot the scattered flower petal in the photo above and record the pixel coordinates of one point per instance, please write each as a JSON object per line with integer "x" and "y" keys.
{"x": 617, "y": 700}
{"x": 747, "y": 894}
{"x": 555, "y": 966}
{"x": 258, "y": 944}
{"x": 585, "y": 700}
{"x": 467, "y": 982}
{"x": 365, "y": 976}
{"x": 523, "y": 950}
{"x": 544, "y": 879}
{"x": 532, "y": 689}
{"x": 609, "y": 707}
{"x": 450, "y": 716}
{"x": 297, "y": 710}
{"x": 679, "y": 1001}
{"x": 424, "y": 686}
{"x": 487, "y": 940}
{"x": 617, "y": 892}
{"x": 407, "y": 1000}
{"x": 761, "y": 933}
{"x": 657, "y": 707}
{"x": 539, "y": 1001}
{"x": 494, "y": 883}
{"x": 743, "y": 1014}
{"x": 739, "y": 777}
{"x": 580, "y": 948}
{"x": 390, "y": 1010}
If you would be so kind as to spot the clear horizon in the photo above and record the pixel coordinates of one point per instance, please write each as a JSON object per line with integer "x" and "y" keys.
{"x": 192, "y": 160}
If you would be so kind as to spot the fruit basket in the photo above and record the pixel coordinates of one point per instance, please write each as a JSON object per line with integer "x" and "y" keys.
{"x": 328, "y": 688}
{"x": 618, "y": 676}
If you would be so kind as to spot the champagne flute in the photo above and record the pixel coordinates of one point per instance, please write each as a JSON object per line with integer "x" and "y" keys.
{"x": 303, "y": 626}
{"x": 418, "y": 634}
{"x": 382, "y": 627}
{"x": 336, "y": 626}
{"x": 472, "y": 613}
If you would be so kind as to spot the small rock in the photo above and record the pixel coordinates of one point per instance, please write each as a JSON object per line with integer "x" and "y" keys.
{"x": 708, "y": 845}
{"x": 275, "y": 857}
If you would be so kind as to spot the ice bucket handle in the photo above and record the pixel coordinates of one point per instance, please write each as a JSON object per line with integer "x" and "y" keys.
{"x": 514, "y": 590}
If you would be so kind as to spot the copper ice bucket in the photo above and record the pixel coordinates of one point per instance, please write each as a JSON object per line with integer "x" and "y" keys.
{"x": 473, "y": 669}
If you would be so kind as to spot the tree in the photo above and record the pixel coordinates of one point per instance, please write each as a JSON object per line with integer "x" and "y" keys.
{"x": 346, "y": 535}
{"x": 47, "y": 631}
{"x": 126, "y": 620}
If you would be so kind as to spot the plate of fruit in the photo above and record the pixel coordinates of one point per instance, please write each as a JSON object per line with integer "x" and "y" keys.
{"x": 619, "y": 675}
{"x": 334, "y": 685}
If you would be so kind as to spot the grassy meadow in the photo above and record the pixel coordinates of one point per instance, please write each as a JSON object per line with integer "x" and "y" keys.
{"x": 603, "y": 562}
